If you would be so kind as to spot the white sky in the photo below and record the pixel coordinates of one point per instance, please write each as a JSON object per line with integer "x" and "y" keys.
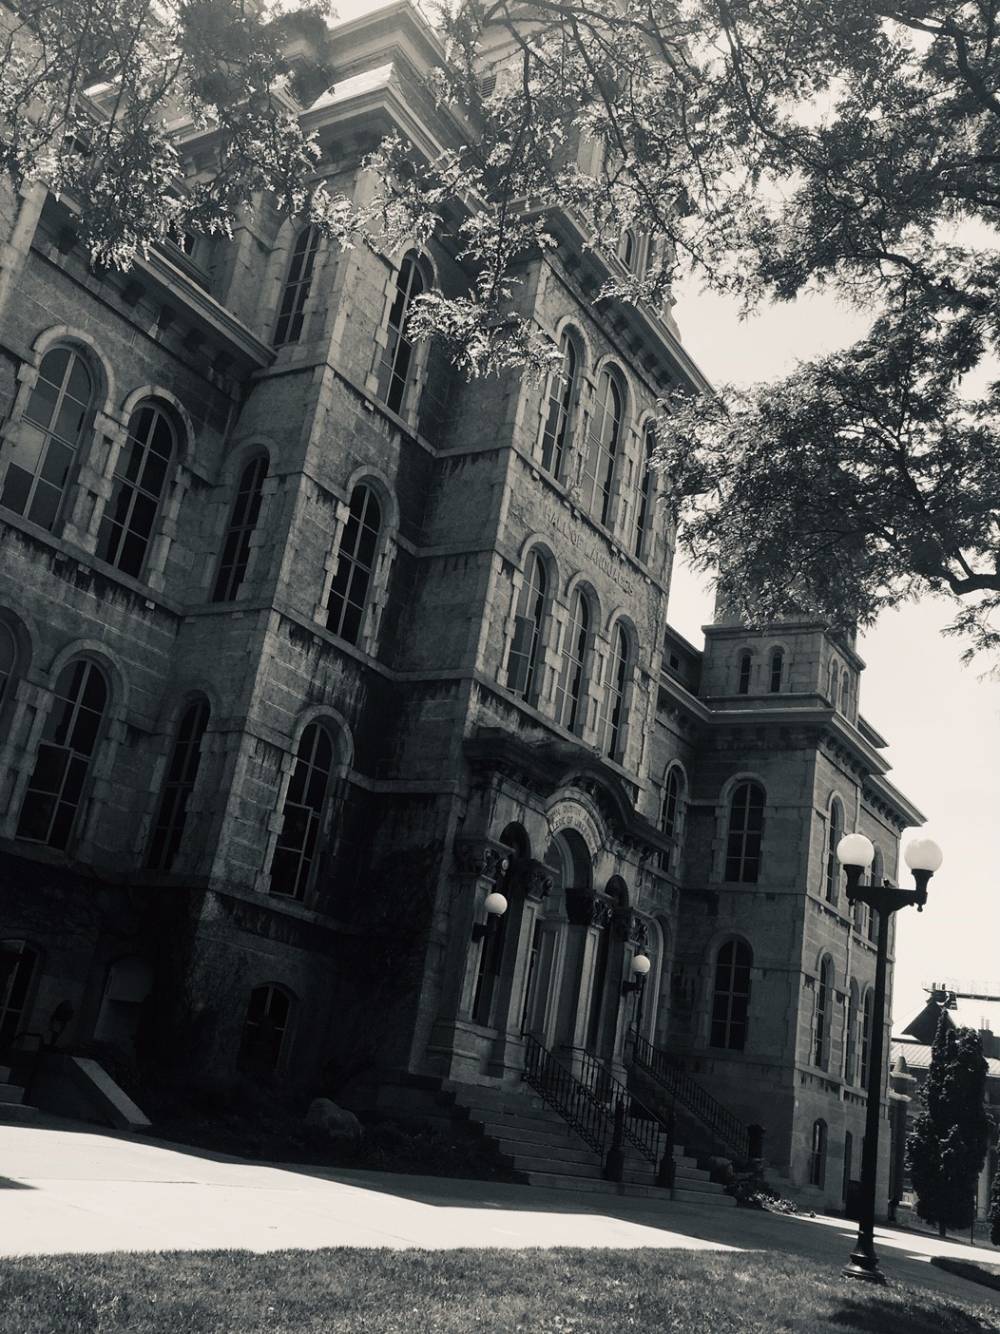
{"x": 941, "y": 720}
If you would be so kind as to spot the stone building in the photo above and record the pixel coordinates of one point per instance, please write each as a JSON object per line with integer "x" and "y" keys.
{"x": 308, "y": 646}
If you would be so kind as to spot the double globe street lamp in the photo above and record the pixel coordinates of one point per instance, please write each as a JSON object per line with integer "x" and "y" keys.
{"x": 856, "y": 854}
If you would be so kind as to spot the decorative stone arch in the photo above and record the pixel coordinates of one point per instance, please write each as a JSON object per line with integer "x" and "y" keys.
{"x": 105, "y": 658}
{"x": 89, "y": 348}
{"x": 775, "y": 647}
{"x": 276, "y": 273}
{"x": 417, "y": 375}
{"x": 831, "y": 867}
{"x": 378, "y": 484}
{"x": 577, "y": 811}
{"x": 338, "y": 727}
{"x": 548, "y": 658}
{"x": 241, "y": 453}
{"x": 722, "y": 818}
{"x": 619, "y": 508}
{"x": 186, "y": 435}
{"x": 674, "y": 766}
{"x": 567, "y": 466}
{"x": 745, "y": 662}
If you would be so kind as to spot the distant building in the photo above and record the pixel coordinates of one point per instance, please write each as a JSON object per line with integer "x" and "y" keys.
{"x": 307, "y": 646}
{"x": 911, "y": 1055}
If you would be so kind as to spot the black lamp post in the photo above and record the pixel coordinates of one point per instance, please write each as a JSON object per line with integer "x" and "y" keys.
{"x": 856, "y": 853}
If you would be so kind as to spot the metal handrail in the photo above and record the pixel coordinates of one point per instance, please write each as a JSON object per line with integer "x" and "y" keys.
{"x": 599, "y": 1107}
{"x": 668, "y": 1071}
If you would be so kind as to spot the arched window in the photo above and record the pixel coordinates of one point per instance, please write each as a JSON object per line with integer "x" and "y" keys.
{"x": 8, "y": 659}
{"x": 264, "y": 1030}
{"x": 851, "y": 1060}
{"x": 178, "y": 784}
{"x": 627, "y": 248}
{"x": 647, "y": 485}
{"x": 397, "y": 359}
{"x": 358, "y": 551}
{"x": 743, "y": 679}
{"x": 17, "y": 966}
{"x": 603, "y": 446}
{"x": 670, "y": 813}
{"x": 824, "y": 1014}
{"x": 876, "y": 877}
{"x": 69, "y": 739}
{"x": 746, "y": 828}
{"x": 831, "y": 688}
{"x": 575, "y": 661}
{"x": 731, "y": 996}
{"x": 817, "y": 1155}
{"x": 140, "y": 480}
{"x": 242, "y": 522}
{"x": 845, "y": 694}
{"x": 525, "y": 657}
{"x": 835, "y": 833}
{"x": 57, "y": 417}
{"x": 777, "y": 670}
{"x": 614, "y": 693}
{"x": 867, "y": 1015}
{"x": 560, "y": 398}
{"x": 302, "y": 814}
{"x": 295, "y": 292}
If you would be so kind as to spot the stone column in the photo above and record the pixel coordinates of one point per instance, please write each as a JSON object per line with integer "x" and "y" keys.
{"x": 530, "y": 882}
{"x": 589, "y": 914}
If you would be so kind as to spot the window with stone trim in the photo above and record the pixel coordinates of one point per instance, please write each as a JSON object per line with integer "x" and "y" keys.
{"x": 647, "y": 487}
{"x": 835, "y": 832}
{"x": 628, "y": 249}
{"x": 615, "y": 700}
{"x": 851, "y": 1058}
{"x": 350, "y": 591}
{"x": 525, "y": 656}
{"x": 823, "y": 1025}
{"x": 295, "y": 854}
{"x": 295, "y": 292}
{"x": 817, "y": 1155}
{"x": 178, "y": 785}
{"x": 573, "y": 670}
{"x": 138, "y": 487}
{"x": 745, "y": 833}
{"x": 396, "y": 365}
{"x": 671, "y": 811}
{"x": 235, "y": 557}
{"x": 8, "y": 660}
{"x": 777, "y": 670}
{"x": 604, "y": 446}
{"x": 18, "y": 964}
{"x": 867, "y": 1015}
{"x": 560, "y": 403}
{"x": 845, "y": 694}
{"x": 69, "y": 740}
{"x": 265, "y": 1030}
{"x": 50, "y": 434}
{"x": 744, "y": 666}
{"x": 731, "y": 996}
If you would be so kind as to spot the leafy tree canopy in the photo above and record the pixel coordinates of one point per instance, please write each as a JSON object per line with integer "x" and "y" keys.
{"x": 766, "y": 146}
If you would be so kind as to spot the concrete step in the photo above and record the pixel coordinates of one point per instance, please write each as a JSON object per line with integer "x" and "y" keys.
{"x": 475, "y": 1095}
{"x": 11, "y": 1093}
{"x": 684, "y": 1196}
{"x": 18, "y": 1112}
{"x": 530, "y": 1132}
{"x": 5, "y": 1074}
{"x": 554, "y": 1153}
{"x": 514, "y": 1124}
{"x": 589, "y": 1170}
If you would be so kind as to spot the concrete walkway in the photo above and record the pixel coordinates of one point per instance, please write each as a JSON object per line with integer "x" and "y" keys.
{"x": 71, "y": 1188}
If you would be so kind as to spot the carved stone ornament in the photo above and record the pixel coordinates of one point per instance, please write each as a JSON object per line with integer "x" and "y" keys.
{"x": 637, "y": 930}
{"x": 533, "y": 879}
{"x": 479, "y": 859}
{"x": 584, "y": 907}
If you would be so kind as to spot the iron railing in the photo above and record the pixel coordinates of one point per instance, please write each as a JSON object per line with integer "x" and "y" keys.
{"x": 601, "y": 1110}
{"x": 668, "y": 1071}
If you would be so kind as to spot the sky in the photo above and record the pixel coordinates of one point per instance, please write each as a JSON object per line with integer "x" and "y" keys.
{"x": 941, "y": 719}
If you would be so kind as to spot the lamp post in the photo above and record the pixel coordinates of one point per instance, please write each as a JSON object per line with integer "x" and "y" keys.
{"x": 639, "y": 968}
{"x": 856, "y": 854}
{"x": 495, "y": 906}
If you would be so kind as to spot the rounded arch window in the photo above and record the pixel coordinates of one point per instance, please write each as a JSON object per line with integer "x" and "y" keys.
{"x": 178, "y": 785}
{"x": 568, "y": 857}
{"x": 8, "y": 659}
{"x": 851, "y": 1058}
{"x": 746, "y": 831}
{"x": 138, "y": 486}
{"x": 615, "y": 702}
{"x": 817, "y": 1155}
{"x": 743, "y": 676}
{"x": 845, "y": 692}
{"x": 731, "y": 996}
{"x": 831, "y": 688}
{"x": 357, "y": 554}
{"x": 397, "y": 362}
{"x": 69, "y": 739}
{"x": 54, "y": 423}
{"x": 835, "y": 833}
{"x": 524, "y": 660}
{"x": 560, "y": 401}
{"x": 628, "y": 248}
{"x": 777, "y": 670}
{"x": 295, "y": 292}
{"x": 235, "y": 558}
{"x": 575, "y": 664}
{"x": 604, "y": 445}
{"x": 824, "y": 1014}
{"x": 647, "y": 484}
{"x": 265, "y": 1030}
{"x": 867, "y": 1019}
{"x": 302, "y": 814}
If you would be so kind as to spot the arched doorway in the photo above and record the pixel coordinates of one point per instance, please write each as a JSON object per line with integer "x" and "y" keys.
{"x": 546, "y": 1010}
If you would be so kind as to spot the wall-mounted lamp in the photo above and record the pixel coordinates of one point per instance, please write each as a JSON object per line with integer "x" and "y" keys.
{"x": 495, "y": 905}
{"x": 639, "y": 967}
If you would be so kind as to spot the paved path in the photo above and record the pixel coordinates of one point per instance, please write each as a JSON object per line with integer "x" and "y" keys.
{"x": 73, "y": 1188}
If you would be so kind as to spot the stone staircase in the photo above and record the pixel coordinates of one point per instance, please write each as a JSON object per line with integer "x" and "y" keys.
{"x": 543, "y": 1150}
{"x": 13, "y": 1108}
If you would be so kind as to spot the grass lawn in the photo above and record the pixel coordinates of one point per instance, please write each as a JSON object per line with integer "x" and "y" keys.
{"x": 453, "y": 1292}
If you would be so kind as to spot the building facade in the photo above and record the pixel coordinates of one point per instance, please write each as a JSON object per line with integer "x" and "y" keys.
{"x": 307, "y": 646}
